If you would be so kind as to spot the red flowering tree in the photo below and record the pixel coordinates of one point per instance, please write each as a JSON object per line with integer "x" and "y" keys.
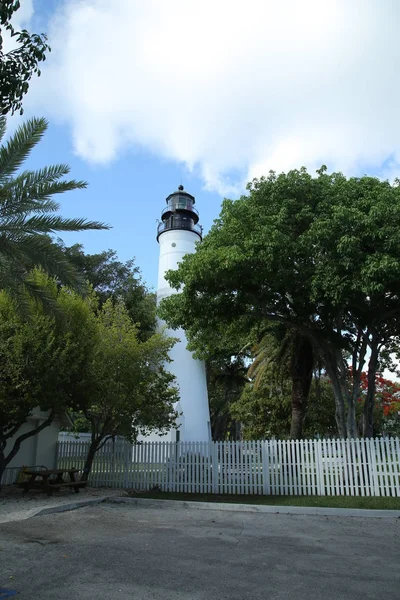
{"x": 387, "y": 402}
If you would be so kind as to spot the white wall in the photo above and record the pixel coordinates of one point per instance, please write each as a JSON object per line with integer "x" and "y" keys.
{"x": 190, "y": 373}
{"x": 39, "y": 449}
{"x": 174, "y": 244}
{"x": 170, "y": 436}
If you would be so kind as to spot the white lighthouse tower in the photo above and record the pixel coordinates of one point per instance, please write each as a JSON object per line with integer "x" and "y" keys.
{"x": 177, "y": 234}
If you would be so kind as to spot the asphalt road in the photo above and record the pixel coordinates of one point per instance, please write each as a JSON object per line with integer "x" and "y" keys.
{"x": 116, "y": 551}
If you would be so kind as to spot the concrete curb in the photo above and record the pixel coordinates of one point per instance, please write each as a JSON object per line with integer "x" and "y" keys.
{"x": 258, "y": 508}
{"x": 48, "y": 510}
{"x": 70, "y": 506}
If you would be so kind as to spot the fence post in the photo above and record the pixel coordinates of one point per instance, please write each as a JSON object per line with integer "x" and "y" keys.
{"x": 372, "y": 467}
{"x": 319, "y": 469}
{"x": 265, "y": 468}
{"x": 57, "y": 452}
{"x": 215, "y": 474}
{"x": 128, "y": 453}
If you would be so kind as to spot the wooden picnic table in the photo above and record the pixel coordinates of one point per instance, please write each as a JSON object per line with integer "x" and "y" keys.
{"x": 49, "y": 480}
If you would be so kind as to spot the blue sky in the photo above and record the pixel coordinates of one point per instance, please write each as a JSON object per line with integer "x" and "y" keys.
{"x": 143, "y": 96}
{"x": 128, "y": 194}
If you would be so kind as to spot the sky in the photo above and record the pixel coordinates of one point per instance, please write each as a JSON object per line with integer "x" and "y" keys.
{"x": 142, "y": 96}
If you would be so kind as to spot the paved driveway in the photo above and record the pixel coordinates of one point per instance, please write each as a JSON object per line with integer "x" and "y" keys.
{"x": 131, "y": 552}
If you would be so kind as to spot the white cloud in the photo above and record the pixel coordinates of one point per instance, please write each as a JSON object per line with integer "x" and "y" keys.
{"x": 23, "y": 15}
{"x": 228, "y": 86}
{"x": 20, "y": 20}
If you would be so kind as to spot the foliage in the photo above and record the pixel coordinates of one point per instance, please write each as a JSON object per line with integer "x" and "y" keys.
{"x": 319, "y": 255}
{"x": 387, "y": 404}
{"x": 84, "y": 359}
{"x": 265, "y": 411}
{"x": 19, "y": 64}
{"x": 112, "y": 279}
{"x": 290, "y": 354}
{"x": 225, "y": 382}
{"x": 28, "y": 215}
{"x": 128, "y": 389}
{"x": 320, "y": 417}
{"x": 43, "y": 361}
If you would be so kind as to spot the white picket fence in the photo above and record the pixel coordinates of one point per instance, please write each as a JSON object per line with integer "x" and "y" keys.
{"x": 10, "y": 475}
{"x": 280, "y": 467}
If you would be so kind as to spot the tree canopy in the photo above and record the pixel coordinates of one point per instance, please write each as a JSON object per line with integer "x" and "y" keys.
{"x": 128, "y": 388}
{"x": 317, "y": 254}
{"x": 43, "y": 361}
{"x": 28, "y": 217}
{"x": 83, "y": 359}
{"x": 112, "y": 279}
{"x": 18, "y": 64}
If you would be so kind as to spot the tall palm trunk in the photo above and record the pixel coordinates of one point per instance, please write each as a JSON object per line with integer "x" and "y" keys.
{"x": 301, "y": 373}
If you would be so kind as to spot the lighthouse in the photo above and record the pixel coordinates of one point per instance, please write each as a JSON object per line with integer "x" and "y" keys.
{"x": 177, "y": 234}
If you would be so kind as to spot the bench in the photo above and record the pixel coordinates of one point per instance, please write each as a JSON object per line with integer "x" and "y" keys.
{"x": 75, "y": 484}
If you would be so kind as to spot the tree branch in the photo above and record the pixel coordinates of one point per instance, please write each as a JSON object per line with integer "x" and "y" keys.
{"x": 28, "y": 434}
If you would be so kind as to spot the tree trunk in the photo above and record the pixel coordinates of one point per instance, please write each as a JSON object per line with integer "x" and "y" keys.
{"x": 368, "y": 414}
{"x": 332, "y": 369}
{"x": 352, "y": 431}
{"x": 94, "y": 446}
{"x": 301, "y": 371}
{"x": 296, "y": 423}
{"x": 358, "y": 361}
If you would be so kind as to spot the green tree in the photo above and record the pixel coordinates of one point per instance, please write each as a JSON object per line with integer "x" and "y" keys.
{"x": 292, "y": 355}
{"x": 319, "y": 255}
{"x": 115, "y": 280}
{"x": 225, "y": 382}
{"x": 28, "y": 215}
{"x": 43, "y": 361}
{"x": 128, "y": 389}
{"x": 19, "y": 64}
{"x": 265, "y": 411}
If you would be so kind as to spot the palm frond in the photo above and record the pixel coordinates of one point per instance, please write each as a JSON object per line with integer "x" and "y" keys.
{"x": 51, "y": 224}
{"x": 22, "y": 207}
{"x": 25, "y": 189}
{"x": 40, "y": 252}
{"x": 27, "y": 220}
{"x": 19, "y": 146}
{"x": 30, "y": 293}
{"x": 12, "y": 278}
{"x": 26, "y": 181}
{"x": 273, "y": 353}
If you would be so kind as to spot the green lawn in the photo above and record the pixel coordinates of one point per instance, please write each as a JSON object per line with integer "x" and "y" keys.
{"x": 324, "y": 501}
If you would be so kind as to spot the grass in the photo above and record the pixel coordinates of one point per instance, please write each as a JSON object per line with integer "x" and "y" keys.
{"x": 371, "y": 502}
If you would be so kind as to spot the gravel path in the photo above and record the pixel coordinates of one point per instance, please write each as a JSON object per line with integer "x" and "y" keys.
{"x": 15, "y": 505}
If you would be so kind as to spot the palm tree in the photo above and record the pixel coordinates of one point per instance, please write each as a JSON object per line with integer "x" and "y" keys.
{"x": 292, "y": 355}
{"x": 28, "y": 217}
